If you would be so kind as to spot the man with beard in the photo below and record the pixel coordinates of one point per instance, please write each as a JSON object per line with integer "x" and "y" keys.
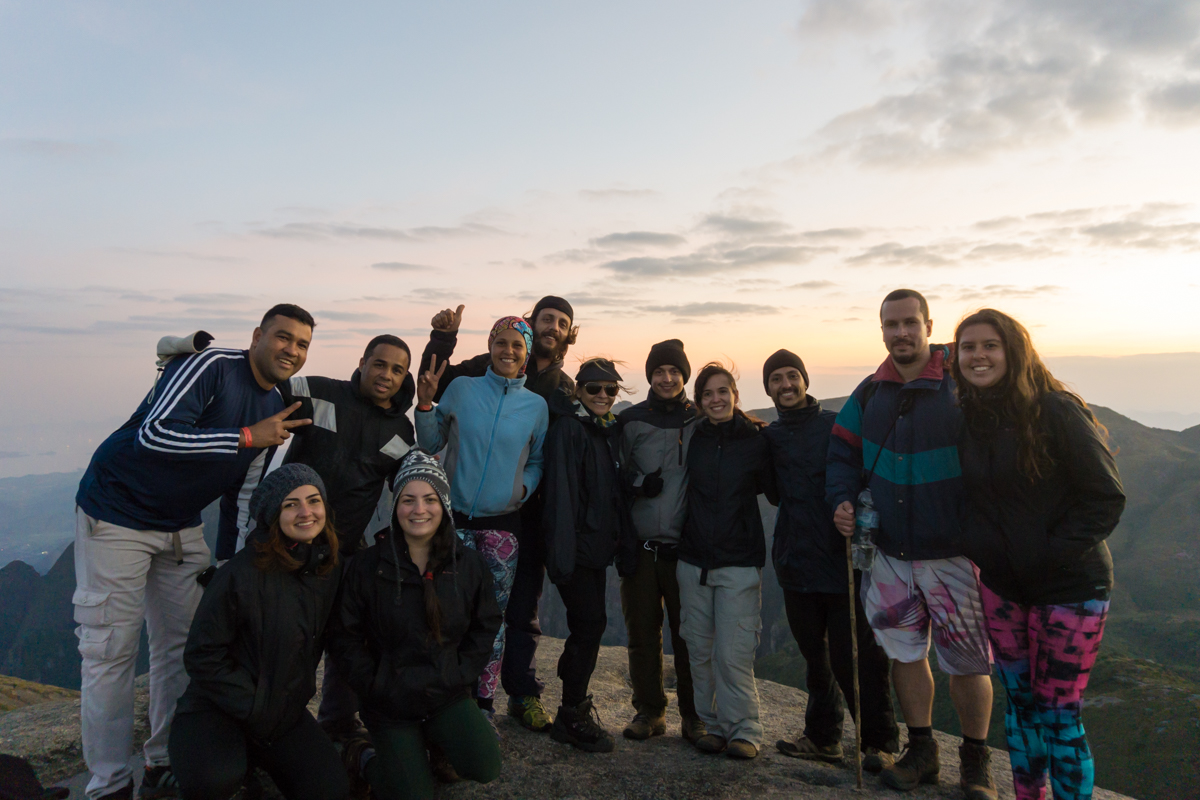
{"x": 205, "y": 431}
{"x": 554, "y": 332}
{"x": 897, "y": 435}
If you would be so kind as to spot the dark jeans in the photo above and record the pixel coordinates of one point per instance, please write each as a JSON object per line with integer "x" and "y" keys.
{"x": 523, "y": 631}
{"x": 210, "y": 755}
{"x": 821, "y": 625}
{"x": 400, "y": 769}
{"x": 583, "y": 597}
{"x": 643, "y": 596}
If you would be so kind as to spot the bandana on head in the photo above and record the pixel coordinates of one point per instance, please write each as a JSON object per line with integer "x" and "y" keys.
{"x": 520, "y": 326}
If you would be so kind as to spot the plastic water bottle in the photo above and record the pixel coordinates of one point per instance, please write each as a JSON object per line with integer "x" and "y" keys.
{"x": 866, "y": 524}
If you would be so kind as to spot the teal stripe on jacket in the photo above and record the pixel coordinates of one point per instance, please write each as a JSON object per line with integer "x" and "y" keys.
{"x": 913, "y": 469}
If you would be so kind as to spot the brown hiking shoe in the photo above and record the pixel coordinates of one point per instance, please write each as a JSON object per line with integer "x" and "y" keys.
{"x": 692, "y": 728}
{"x": 918, "y": 765}
{"x": 875, "y": 760}
{"x": 975, "y": 774}
{"x": 711, "y": 743}
{"x": 740, "y": 748}
{"x": 805, "y": 747}
{"x": 643, "y": 726}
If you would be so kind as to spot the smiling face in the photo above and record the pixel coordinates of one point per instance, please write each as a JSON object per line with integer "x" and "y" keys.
{"x": 302, "y": 515}
{"x": 550, "y": 331}
{"x": 278, "y": 349}
{"x": 418, "y": 512}
{"x": 981, "y": 357}
{"x": 786, "y": 387}
{"x": 718, "y": 399}
{"x": 382, "y": 373}
{"x": 905, "y": 329}
{"x": 666, "y": 382}
{"x": 601, "y": 402}
{"x": 508, "y": 353}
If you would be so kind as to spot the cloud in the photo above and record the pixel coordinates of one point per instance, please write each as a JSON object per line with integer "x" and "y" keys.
{"x": 813, "y": 285}
{"x": 58, "y": 148}
{"x": 176, "y": 254}
{"x": 740, "y": 226}
{"x": 12, "y": 454}
{"x": 836, "y": 233}
{"x": 1146, "y": 236}
{"x": 617, "y": 194}
{"x": 896, "y": 254}
{"x": 989, "y": 293}
{"x": 1176, "y": 104}
{"x": 399, "y": 266}
{"x": 636, "y": 239}
{"x": 710, "y": 309}
{"x": 350, "y": 316}
{"x": 712, "y": 260}
{"x": 213, "y": 299}
{"x": 313, "y": 231}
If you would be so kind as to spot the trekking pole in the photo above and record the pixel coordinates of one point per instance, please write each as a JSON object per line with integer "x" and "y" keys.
{"x": 854, "y": 668}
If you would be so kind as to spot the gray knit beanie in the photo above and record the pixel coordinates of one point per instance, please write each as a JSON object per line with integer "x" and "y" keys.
{"x": 268, "y": 497}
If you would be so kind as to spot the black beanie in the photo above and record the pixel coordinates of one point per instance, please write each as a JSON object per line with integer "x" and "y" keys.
{"x": 557, "y": 303}
{"x": 597, "y": 370}
{"x": 668, "y": 352}
{"x": 780, "y": 359}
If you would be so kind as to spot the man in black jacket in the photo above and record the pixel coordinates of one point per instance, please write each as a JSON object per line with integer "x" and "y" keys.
{"x": 810, "y": 563}
{"x": 360, "y": 432}
{"x": 554, "y": 331}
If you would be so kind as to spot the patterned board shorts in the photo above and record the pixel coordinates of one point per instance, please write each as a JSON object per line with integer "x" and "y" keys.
{"x": 905, "y": 600}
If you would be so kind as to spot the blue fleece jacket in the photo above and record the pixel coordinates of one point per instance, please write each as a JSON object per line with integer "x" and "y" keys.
{"x": 492, "y": 429}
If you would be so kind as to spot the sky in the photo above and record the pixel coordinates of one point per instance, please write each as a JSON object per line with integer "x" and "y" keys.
{"x": 742, "y": 176}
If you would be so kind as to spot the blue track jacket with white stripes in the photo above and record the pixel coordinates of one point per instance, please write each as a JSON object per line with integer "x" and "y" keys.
{"x": 179, "y": 451}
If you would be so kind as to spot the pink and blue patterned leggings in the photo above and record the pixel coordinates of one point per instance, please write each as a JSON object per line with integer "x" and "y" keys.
{"x": 1044, "y": 655}
{"x": 499, "y": 550}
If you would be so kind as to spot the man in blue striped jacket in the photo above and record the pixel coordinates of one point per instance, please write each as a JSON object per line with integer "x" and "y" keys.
{"x": 205, "y": 431}
{"x": 898, "y": 435}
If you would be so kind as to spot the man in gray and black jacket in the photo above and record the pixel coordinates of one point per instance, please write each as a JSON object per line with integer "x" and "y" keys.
{"x": 654, "y": 437}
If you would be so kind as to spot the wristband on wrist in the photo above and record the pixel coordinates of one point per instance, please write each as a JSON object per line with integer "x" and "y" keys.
{"x": 425, "y": 407}
{"x": 249, "y": 438}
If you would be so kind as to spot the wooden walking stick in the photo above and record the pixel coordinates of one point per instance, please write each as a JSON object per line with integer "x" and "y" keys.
{"x": 854, "y": 667}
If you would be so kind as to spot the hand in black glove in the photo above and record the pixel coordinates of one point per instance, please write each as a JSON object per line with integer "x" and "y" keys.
{"x": 652, "y": 484}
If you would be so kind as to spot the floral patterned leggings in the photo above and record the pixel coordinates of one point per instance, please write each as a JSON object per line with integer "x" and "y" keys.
{"x": 499, "y": 550}
{"x": 1044, "y": 656}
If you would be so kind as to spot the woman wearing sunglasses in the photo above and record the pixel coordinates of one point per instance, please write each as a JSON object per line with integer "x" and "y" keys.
{"x": 583, "y": 519}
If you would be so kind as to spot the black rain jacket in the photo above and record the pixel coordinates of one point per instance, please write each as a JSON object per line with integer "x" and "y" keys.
{"x": 586, "y": 512}
{"x": 256, "y": 640}
{"x": 1042, "y": 542}
{"x": 808, "y": 552}
{"x": 383, "y": 645}
{"x": 729, "y": 465}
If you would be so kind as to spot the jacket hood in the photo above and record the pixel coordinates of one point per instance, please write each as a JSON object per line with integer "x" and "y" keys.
{"x": 401, "y": 402}
{"x": 679, "y": 400}
{"x": 937, "y": 368}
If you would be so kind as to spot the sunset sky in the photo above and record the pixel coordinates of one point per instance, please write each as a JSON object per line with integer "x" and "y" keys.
{"x": 743, "y": 176}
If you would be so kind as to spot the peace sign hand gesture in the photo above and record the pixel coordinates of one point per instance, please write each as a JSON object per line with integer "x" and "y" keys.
{"x": 428, "y": 381}
{"x": 275, "y": 429}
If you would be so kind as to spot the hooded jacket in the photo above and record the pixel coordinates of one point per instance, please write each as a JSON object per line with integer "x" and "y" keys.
{"x": 543, "y": 383}
{"x": 729, "y": 466}
{"x": 383, "y": 645}
{"x": 808, "y": 553}
{"x": 917, "y": 485}
{"x": 585, "y": 513}
{"x": 654, "y": 435}
{"x": 1041, "y": 542}
{"x": 353, "y": 444}
{"x": 492, "y": 429}
{"x": 257, "y": 637}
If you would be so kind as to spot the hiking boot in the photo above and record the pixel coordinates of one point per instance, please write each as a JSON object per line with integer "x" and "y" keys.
{"x": 158, "y": 783}
{"x": 490, "y": 715}
{"x": 124, "y": 793}
{"x": 740, "y": 748}
{"x": 439, "y": 764}
{"x": 918, "y": 765}
{"x": 356, "y": 752}
{"x": 580, "y": 727}
{"x": 711, "y": 743}
{"x": 527, "y": 709}
{"x": 806, "y": 748}
{"x": 692, "y": 728}
{"x": 875, "y": 760}
{"x": 643, "y": 726}
{"x": 974, "y": 769}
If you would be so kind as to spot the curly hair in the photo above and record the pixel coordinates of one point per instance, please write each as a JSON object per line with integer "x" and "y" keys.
{"x": 711, "y": 370}
{"x": 1017, "y": 397}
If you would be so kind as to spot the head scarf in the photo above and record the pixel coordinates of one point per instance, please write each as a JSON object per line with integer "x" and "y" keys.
{"x": 519, "y": 325}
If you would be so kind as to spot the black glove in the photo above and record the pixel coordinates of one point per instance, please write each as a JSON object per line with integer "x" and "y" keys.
{"x": 652, "y": 484}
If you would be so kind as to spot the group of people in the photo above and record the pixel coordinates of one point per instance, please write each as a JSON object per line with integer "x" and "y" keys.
{"x": 411, "y": 558}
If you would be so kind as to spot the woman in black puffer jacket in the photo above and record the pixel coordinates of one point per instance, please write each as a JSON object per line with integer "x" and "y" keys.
{"x": 253, "y": 650}
{"x": 721, "y": 555}
{"x": 413, "y": 631}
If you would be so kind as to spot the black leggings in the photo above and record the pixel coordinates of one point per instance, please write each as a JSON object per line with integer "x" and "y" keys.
{"x": 583, "y": 597}
{"x": 210, "y": 755}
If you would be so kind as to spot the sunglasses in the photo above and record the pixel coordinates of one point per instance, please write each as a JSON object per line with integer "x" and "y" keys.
{"x": 609, "y": 389}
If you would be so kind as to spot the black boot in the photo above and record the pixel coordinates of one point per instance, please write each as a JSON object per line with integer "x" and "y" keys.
{"x": 580, "y": 726}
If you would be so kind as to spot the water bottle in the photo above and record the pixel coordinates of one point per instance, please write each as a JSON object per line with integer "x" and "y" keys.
{"x": 866, "y": 524}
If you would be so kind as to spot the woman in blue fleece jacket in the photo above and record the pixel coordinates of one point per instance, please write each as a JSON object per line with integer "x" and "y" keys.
{"x": 492, "y": 429}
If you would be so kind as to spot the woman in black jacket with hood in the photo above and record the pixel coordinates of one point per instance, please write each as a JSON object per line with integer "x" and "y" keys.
{"x": 583, "y": 520}
{"x": 721, "y": 556}
{"x": 1042, "y": 494}
{"x": 413, "y": 631}
{"x": 253, "y": 650}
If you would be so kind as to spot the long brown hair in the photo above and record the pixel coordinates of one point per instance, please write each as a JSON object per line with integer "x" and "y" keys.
{"x": 441, "y": 553}
{"x": 1018, "y": 394}
{"x": 711, "y": 370}
{"x": 273, "y": 555}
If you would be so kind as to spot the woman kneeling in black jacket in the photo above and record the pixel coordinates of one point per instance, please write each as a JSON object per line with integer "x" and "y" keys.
{"x": 583, "y": 520}
{"x": 413, "y": 632}
{"x": 253, "y": 650}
